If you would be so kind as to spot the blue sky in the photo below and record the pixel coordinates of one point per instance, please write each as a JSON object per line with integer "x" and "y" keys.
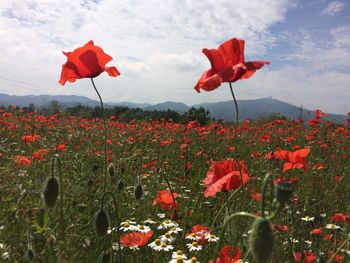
{"x": 156, "y": 45}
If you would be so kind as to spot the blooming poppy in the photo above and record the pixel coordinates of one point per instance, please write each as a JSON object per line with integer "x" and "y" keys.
{"x": 22, "y": 160}
{"x": 166, "y": 200}
{"x": 225, "y": 175}
{"x": 228, "y": 254}
{"x": 135, "y": 239}
{"x": 227, "y": 65}
{"x": 87, "y": 61}
{"x": 296, "y": 159}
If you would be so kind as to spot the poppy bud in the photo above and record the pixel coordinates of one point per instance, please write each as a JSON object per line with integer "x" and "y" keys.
{"x": 95, "y": 168}
{"x": 101, "y": 223}
{"x": 111, "y": 170}
{"x": 51, "y": 192}
{"x": 30, "y": 254}
{"x": 104, "y": 257}
{"x": 284, "y": 191}
{"x": 322, "y": 259}
{"x": 120, "y": 185}
{"x": 138, "y": 192}
{"x": 261, "y": 240}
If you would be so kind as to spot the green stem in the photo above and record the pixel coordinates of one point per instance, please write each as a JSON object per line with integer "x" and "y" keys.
{"x": 263, "y": 203}
{"x": 61, "y": 198}
{"x": 224, "y": 229}
{"x": 223, "y": 207}
{"x": 104, "y": 135}
{"x": 236, "y": 104}
{"x": 338, "y": 250}
{"x": 117, "y": 219}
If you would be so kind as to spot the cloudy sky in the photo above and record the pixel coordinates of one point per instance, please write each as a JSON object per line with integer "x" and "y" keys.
{"x": 156, "y": 45}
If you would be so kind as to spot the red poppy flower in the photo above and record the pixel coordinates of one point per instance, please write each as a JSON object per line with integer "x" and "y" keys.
{"x": 87, "y": 61}
{"x": 166, "y": 200}
{"x": 338, "y": 217}
{"x": 296, "y": 159}
{"x": 135, "y": 239}
{"x": 316, "y": 231}
{"x": 228, "y": 254}
{"x": 227, "y": 65}
{"x": 225, "y": 175}
{"x": 22, "y": 160}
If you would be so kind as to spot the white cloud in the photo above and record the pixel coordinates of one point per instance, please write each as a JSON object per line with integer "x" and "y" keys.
{"x": 333, "y": 8}
{"x": 156, "y": 45}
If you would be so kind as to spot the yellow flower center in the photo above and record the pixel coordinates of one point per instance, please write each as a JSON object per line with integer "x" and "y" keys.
{"x": 179, "y": 252}
{"x": 194, "y": 259}
{"x": 157, "y": 241}
{"x": 126, "y": 224}
{"x": 195, "y": 244}
{"x": 142, "y": 227}
{"x": 167, "y": 235}
{"x": 163, "y": 245}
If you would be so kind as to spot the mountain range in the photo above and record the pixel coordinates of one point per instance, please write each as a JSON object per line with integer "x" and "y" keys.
{"x": 248, "y": 109}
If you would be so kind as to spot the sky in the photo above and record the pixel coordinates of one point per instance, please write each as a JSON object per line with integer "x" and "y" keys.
{"x": 156, "y": 45}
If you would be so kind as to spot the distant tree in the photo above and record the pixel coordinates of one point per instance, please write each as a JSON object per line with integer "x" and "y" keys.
{"x": 198, "y": 114}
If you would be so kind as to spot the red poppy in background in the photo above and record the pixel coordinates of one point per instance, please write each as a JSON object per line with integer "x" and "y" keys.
{"x": 136, "y": 239}
{"x": 225, "y": 175}
{"x": 228, "y": 254}
{"x": 166, "y": 200}
{"x": 293, "y": 160}
{"x": 227, "y": 65}
{"x": 87, "y": 61}
{"x": 21, "y": 160}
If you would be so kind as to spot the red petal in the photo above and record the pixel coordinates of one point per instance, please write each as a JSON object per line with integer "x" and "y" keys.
{"x": 208, "y": 81}
{"x": 112, "y": 71}
{"x": 232, "y": 51}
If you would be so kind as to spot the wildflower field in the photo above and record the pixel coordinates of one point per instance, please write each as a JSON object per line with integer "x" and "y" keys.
{"x": 100, "y": 190}
{"x": 161, "y": 156}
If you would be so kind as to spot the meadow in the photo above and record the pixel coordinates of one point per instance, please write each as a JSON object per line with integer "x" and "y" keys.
{"x": 159, "y": 205}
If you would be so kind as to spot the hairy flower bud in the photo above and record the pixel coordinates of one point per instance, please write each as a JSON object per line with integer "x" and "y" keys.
{"x": 101, "y": 223}
{"x": 284, "y": 191}
{"x": 104, "y": 257}
{"x": 120, "y": 185}
{"x": 138, "y": 192}
{"x": 30, "y": 255}
{"x": 111, "y": 170}
{"x": 51, "y": 192}
{"x": 261, "y": 240}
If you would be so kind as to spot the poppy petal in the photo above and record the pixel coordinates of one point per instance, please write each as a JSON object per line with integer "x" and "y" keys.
{"x": 208, "y": 81}
{"x": 112, "y": 71}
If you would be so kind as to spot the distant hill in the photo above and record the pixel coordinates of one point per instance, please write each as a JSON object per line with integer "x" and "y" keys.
{"x": 249, "y": 109}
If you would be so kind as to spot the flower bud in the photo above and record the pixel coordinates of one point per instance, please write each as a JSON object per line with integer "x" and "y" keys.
{"x": 30, "y": 255}
{"x": 284, "y": 191}
{"x": 111, "y": 170}
{"x": 101, "y": 223}
{"x": 51, "y": 192}
{"x": 104, "y": 257}
{"x": 138, "y": 192}
{"x": 261, "y": 240}
{"x": 120, "y": 185}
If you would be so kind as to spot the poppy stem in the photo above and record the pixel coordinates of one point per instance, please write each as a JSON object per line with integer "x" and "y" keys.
{"x": 236, "y": 104}
{"x": 223, "y": 230}
{"x": 104, "y": 135}
{"x": 264, "y": 188}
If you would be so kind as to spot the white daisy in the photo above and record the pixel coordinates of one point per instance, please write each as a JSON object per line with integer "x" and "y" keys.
{"x": 194, "y": 246}
{"x": 167, "y": 238}
{"x": 178, "y": 253}
{"x": 166, "y": 224}
{"x": 149, "y": 221}
{"x": 155, "y": 244}
{"x": 175, "y": 230}
{"x": 332, "y": 226}
{"x": 161, "y": 215}
{"x": 128, "y": 225}
{"x": 192, "y": 260}
{"x": 142, "y": 228}
{"x": 164, "y": 247}
{"x": 308, "y": 218}
{"x": 191, "y": 236}
{"x": 211, "y": 237}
